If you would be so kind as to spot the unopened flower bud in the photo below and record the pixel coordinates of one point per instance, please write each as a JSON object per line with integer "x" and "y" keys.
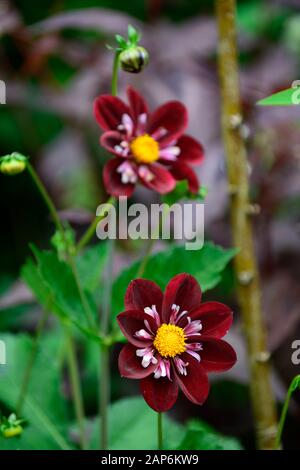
{"x": 13, "y": 164}
{"x": 134, "y": 59}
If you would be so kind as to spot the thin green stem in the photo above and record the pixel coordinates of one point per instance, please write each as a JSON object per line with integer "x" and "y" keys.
{"x": 293, "y": 386}
{"x": 90, "y": 232}
{"x": 76, "y": 387}
{"x": 104, "y": 377}
{"x": 30, "y": 363}
{"x": 46, "y": 197}
{"x": 114, "y": 81}
{"x": 159, "y": 431}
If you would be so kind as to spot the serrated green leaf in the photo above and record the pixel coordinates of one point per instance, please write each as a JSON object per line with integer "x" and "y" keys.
{"x": 289, "y": 97}
{"x": 53, "y": 283}
{"x": 90, "y": 266}
{"x": 206, "y": 265}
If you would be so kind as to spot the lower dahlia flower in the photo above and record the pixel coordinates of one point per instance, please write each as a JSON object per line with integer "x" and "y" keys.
{"x": 174, "y": 340}
{"x": 149, "y": 148}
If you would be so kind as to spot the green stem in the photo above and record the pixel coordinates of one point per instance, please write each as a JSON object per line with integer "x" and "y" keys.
{"x": 75, "y": 384}
{"x": 159, "y": 431}
{"x": 105, "y": 349}
{"x": 114, "y": 81}
{"x": 294, "y": 385}
{"x": 46, "y": 198}
{"x": 90, "y": 232}
{"x": 29, "y": 366}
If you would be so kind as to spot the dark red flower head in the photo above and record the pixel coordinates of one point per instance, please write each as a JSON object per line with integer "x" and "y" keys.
{"x": 148, "y": 147}
{"x": 174, "y": 340}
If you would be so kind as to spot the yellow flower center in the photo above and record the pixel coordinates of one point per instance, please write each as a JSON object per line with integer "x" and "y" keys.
{"x": 145, "y": 149}
{"x": 169, "y": 340}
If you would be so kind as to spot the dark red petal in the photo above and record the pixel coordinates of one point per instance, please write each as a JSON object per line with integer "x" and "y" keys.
{"x": 130, "y": 365}
{"x": 182, "y": 290}
{"x": 190, "y": 149}
{"x": 130, "y": 322}
{"x": 195, "y": 384}
{"x": 137, "y": 103}
{"x": 160, "y": 394}
{"x": 172, "y": 117}
{"x": 112, "y": 179}
{"x": 217, "y": 355}
{"x": 216, "y": 319}
{"x": 163, "y": 182}
{"x": 109, "y": 140}
{"x": 108, "y": 111}
{"x": 181, "y": 171}
{"x": 142, "y": 293}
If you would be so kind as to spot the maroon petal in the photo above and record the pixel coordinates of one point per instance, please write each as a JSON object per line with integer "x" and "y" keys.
{"x": 182, "y": 290}
{"x": 143, "y": 293}
{"x": 217, "y": 355}
{"x": 190, "y": 149}
{"x": 130, "y": 322}
{"x": 216, "y": 319}
{"x": 160, "y": 394}
{"x": 112, "y": 179}
{"x": 130, "y": 365}
{"x": 195, "y": 384}
{"x": 181, "y": 171}
{"x": 109, "y": 110}
{"x": 162, "y": 181}
{"x": 171, "y": 117}
{"x": 137, "y": 104}
{"x": 109, "y": 140}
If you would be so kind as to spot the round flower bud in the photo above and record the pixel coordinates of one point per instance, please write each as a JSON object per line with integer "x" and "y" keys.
{"x": 134, "y": 59}
{"x": 13, "y": 164}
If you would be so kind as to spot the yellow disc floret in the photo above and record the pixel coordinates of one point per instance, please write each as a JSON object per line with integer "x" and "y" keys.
{"x": 145, "y": 149}
{"x": 169, "y": 340}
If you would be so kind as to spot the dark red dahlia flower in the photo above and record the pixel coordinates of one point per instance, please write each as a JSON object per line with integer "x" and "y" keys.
{"x": 149, "y": 147}
{"x": 174, "y": 340}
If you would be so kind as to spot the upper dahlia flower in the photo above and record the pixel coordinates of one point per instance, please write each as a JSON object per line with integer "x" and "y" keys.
{"x": 149, "y": 147}
{"x": 174, "y": 340}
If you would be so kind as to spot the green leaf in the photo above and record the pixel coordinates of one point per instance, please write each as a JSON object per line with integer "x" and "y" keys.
{"x": 295, "y": 383}
{"x": 44, "y": 408}
{"x": 53, "y": 283}
{"x": 200, "y": 436}
{"x": 289, "y": 97}
{"x": 133, "y": 426}
{"x": 181, "y": 191}
{"x": 90, "y": 266}
{"x": 206, "y": 265}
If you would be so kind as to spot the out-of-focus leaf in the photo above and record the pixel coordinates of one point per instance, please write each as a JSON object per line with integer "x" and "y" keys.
{"x": 205, "y": 264}
{"x": 133, "y": 426}
{"x": 289, "y": 97}
{"x": 200, "y": 436}
{"x": 45, "y": 413}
